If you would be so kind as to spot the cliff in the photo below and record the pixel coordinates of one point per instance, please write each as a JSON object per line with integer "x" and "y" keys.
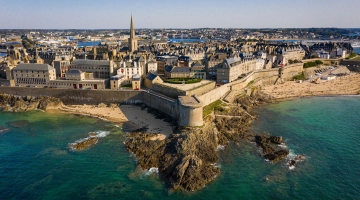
{"x": 14, "y": 103}
{"x": 187, "y": 159}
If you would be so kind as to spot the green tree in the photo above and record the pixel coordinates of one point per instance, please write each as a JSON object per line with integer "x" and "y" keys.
{"x": 318, "y": 62}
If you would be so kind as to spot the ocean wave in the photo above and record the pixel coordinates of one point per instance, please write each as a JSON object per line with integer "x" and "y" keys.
{"x": 220, "y": 147}
{"x": 283, "y": 145}
{"x": 101, "y": 134}
{"x": 152, "y": 170}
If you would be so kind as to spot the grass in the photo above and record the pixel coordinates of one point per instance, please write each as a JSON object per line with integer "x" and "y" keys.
{"x": 209, "y": 108}
{"x": 353, "y": 55}
{"x": 251, "y": 82}
{"x": 127, "y": 85}
{"x": 180, "y": 80}
{"x": 356, "y": 58}
{"x": 299, "y": 77}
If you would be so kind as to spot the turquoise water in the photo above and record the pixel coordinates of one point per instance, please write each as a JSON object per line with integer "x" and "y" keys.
{"x": 35, "y": 162}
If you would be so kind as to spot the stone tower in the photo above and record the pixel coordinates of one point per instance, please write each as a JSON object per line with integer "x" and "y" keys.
{"x": 133, "y": 41}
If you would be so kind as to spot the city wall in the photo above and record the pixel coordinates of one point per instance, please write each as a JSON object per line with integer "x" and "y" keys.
{"x": 260, "y": 78}
{"x": 352, "y": 65}
{"x": 174, "y": 93}
{"x": 94, "y": 97}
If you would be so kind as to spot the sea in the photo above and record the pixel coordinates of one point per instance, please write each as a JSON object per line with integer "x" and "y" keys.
{"x": 87, "y": 44}
{"x": 357, "y": 50}
{"x": 37, "y": 163}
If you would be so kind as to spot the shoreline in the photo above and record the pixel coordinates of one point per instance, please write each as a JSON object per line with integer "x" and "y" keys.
{"x": 130, "y": 117}
{"x": 343, "y": 85}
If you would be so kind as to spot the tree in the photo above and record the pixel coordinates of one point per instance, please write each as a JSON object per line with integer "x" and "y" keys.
{"x": 318, "y": 62}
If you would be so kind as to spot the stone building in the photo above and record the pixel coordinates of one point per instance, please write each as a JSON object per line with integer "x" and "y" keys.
{"x": 235, "y": 68}
{"x": 136, "y": 82}
{"x": 151, "y": 79}
{"x": 75, "y": 74}
{"x": 117, "y": 81}
{"x": 102, "y": 69}
{"x": 151, "y": 66}
{"x": 33, "y": 74}
{"x": 212, "y": 62}
{"x": 196, "y": 71}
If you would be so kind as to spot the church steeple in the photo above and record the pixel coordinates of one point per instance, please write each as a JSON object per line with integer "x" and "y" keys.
{"x": 132, "y": 31}
{"x": 133, "y": 41}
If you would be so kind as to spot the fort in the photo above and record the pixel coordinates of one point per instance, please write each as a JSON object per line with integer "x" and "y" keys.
{"x": 187, "y": 109}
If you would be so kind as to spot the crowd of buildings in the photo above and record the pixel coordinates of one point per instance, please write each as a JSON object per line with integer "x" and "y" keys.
{"x": 136, "y": 61}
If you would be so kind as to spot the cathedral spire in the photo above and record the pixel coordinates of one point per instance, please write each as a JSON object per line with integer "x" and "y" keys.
{"x": 132, "y": 30}
{"x": 133, "y": 43}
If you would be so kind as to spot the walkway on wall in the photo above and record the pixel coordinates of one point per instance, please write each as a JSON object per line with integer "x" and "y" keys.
{"x": 159, "y": 95}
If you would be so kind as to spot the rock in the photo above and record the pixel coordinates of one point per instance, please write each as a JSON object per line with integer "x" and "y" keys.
{"x": 277, "y": 155}
{"x": 268, "y": 149}
{"x": 3, "y": 129}
{"x": 102, "y": 105}
{"x": 276, "y": 139}
{"x": 84, "y": 144}
{"x": 18, "y": 124}
{"x": 185, "y": 159}
{"x": 292, "y": 163}
{"x": 13, "y": 103}
{"x": 112, "y": 105}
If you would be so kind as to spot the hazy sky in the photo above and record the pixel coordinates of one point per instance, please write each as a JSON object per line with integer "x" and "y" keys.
{"x": 115, "y": 14}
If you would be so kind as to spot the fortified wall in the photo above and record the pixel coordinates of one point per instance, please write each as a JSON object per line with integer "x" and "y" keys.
{"x": 352, "y": 65}
{"x": 186, "y": 109}
{"x": 262, "y": 77}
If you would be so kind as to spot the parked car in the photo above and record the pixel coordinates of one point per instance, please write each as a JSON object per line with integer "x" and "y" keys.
{"x": 317, "y": 74}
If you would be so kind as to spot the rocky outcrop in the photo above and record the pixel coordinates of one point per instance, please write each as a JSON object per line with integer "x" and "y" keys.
{"x": 13, "y": 103}
{"x": 186, "y": 158}
{"x": 18, "y": 123}
{"x": 84, "y": 143}
{"x": 3, "y": 129}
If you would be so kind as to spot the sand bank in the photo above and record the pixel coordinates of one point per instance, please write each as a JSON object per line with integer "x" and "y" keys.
{"x": 343, "y": 85}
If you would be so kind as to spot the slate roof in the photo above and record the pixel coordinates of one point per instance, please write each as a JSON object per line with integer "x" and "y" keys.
{"x": 151, "y": 76}
{"x": 180, "y": 69}
{"x": 91, "y": 62}
{"x": 74, "y": 71}
{"x": 33, "y": 66}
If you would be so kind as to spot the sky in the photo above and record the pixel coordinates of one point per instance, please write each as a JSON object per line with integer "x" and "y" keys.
{"x": 115, "y": 14}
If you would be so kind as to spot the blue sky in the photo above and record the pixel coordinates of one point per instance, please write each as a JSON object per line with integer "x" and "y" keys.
{"x": 115, "y": 14}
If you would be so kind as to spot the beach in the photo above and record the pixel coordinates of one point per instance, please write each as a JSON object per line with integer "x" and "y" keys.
{"x": 132, "y": 116}
{"x": 341, "y": 85}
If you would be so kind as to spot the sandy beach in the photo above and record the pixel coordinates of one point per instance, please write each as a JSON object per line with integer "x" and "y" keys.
{"x": 342, "y": 85}
{"x": 126, "y": 115}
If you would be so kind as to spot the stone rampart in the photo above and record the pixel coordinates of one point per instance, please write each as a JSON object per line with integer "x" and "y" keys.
{"x": 352, "y": 65}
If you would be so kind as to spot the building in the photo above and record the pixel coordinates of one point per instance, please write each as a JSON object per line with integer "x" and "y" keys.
{"x": 75, "y": 74}
{"x": 61, "y": 67}
{"x": 129, "y": 68}
{"x": 117, "y": 81}
{"x": 136, "y": 82}
{"x": 33, "y": 74}
{"x": 150, "y": 79}
{"x": 196, "y": 71}
{"x": 212, "y": 62}
{"x": 235, "y": 68}
{"x": 152, "y": 66}
{"x": 103, "y": 69}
